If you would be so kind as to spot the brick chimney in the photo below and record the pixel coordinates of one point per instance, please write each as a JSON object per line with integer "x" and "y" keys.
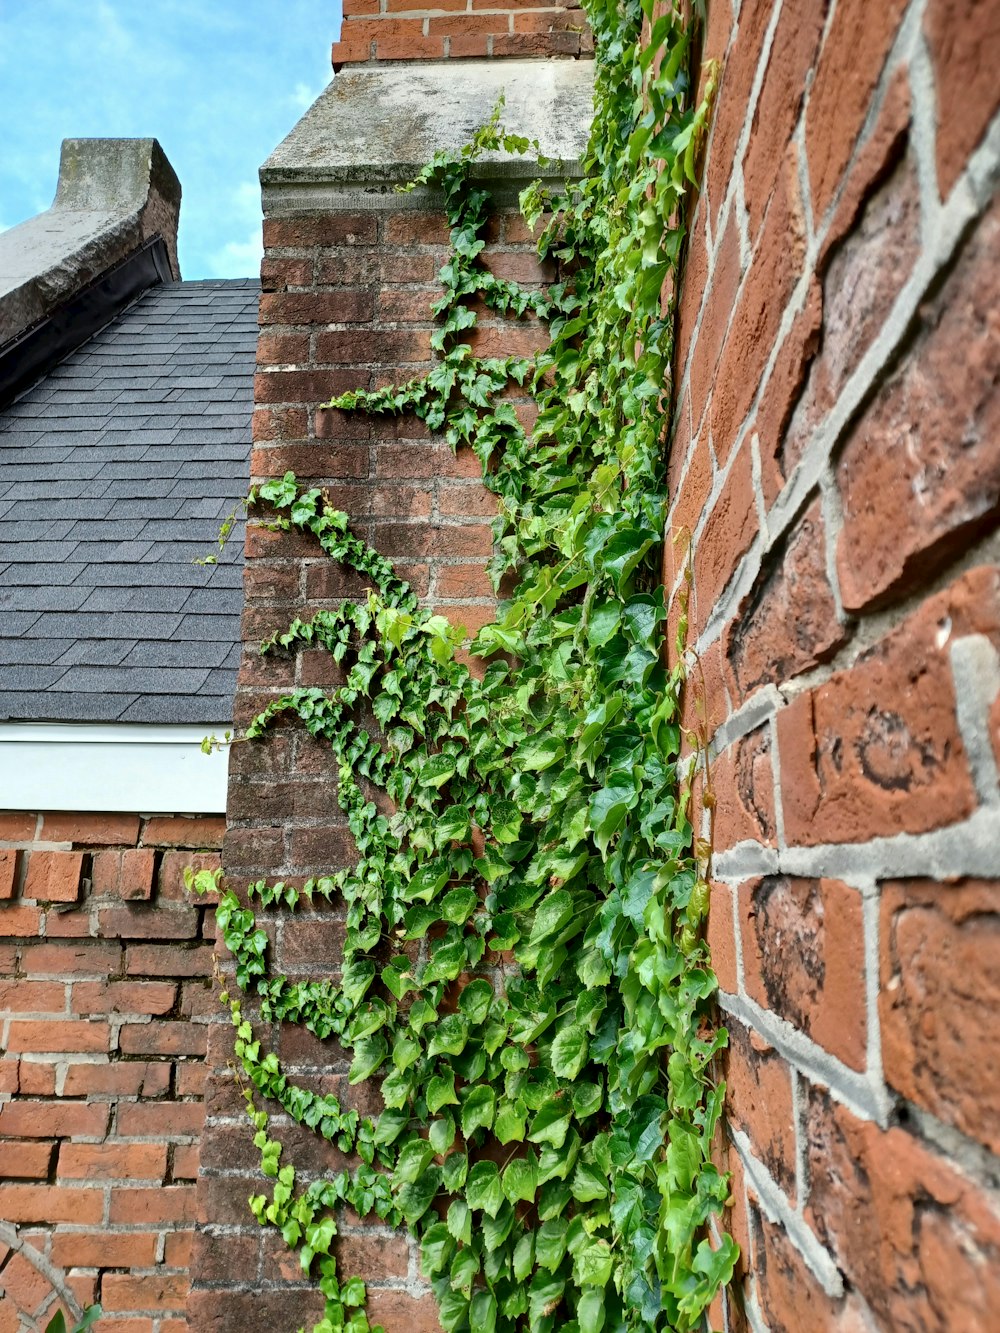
{"x": 380, "y": 30}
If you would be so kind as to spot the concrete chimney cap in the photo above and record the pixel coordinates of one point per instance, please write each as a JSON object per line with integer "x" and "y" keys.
{"x": 116, "y": 175}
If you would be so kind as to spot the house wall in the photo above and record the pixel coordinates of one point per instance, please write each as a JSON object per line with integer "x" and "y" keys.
{"x": 836, "y": 458}
{"x": 346, "y": 304}
{"x": 105, "y": 989}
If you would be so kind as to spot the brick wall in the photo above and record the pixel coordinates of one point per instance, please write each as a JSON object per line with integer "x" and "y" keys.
{"x": 105, "y": 988}
{"x": 345, "y": 304}
{"x": 381, "y": 30}
{"x": 836, "y": 457}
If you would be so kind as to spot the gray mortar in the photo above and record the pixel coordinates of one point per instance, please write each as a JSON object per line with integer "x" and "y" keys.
{"x": 112, "y": 196}
{"x": 374, "y": 127}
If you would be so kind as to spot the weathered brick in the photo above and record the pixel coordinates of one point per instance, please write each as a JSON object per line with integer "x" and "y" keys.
{"x": 10, "y": 860}
{"x": 48, "y": 1120}
{"x": 722, "y": 937}
{"x": 876, "y": 750}
{"x": 145, "y": 1206}
{"x": 921, "y": 472}
{"x": 939, "y": 949}
{"x": 152, "y": 1291}
{"x": 149, "y": 923}
{"x": 199, "y": 833}
{"x": 323, "y": 229}
{"x": 91, "y": 830}
{"x": 788, "y": 622}
{"x": 759, "y": 1101}
{"x": 112, "y": 1161}
{"x": 23, "y": 1160}
{"x": 19, "y": 920}
{"x": 53, "y": 876}
{"x": 127, "y": 875}
{"x": 52, "y": 1203}
{"x": 340, "y": 307}
{"x": 163, "y": 1038}
{"x": 160, "y": 1119}
{"x": 104, "y": 1249}
{"x": 864, "y": 277}
{"x": 123, "y": 1078}
{"x": 17, "y": 826}
{"x": 919, "y": 1240}
{"x": 804, "y": 958}
{"x": 850, "y": 62}
{"x": 743, "y": 780}
{"x": 39, "y": 1035}
{"x": 964, "y": 41}
{"x": 728, "y": 532}
{"x": 169, "y": 960}
{"x": 126, "y": 997}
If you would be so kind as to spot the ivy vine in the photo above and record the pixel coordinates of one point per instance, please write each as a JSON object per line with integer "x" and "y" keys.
{"x": 524, "y": 966}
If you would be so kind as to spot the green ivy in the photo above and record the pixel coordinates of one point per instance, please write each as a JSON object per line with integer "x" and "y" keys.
{"x": 524, "y": 966}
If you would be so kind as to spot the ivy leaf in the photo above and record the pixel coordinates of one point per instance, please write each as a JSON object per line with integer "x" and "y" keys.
{"x": 569, "y": 1051}
{"x": 441, "y": 1092}
{"x": 415, "y": 1198}
{"x": 478, "y": 1109}
{"x": 483, "y": 1190}
{"x": 369, "y": 1053}
{"x": 414, "y": 1158}
{"x": 476, "y": 1000}
{"x": 592, "y": 1265}
{"x": 520, "y": 1179}
{"x": 449, "y": 1035}
{"x": 590, "y": 1311}
{"x": 436, "y": 770}
{"x": 538, "y": 753}
{"x": 551, "y": 1123}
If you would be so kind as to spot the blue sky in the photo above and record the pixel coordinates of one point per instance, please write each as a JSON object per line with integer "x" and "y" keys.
{"x": 218, "y": 82}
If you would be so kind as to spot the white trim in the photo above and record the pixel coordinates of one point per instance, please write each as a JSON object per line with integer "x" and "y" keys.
{"x": 112, "y": 766}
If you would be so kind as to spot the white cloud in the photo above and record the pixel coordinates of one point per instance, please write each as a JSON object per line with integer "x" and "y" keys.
{"x": 238, "y": 259}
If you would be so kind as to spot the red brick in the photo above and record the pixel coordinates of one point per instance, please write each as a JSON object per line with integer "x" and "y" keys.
{"x": 123, "y": 997}
{"x": 788, "y": 622}
{"x": 200, "y": 833}
{"x": 91, "y": 830}
{"x": 722, "y": 938}
{"x": 804, "y": 959}
{"x": 848, "y": 70}
{"x": 754, "y": 322}
{"x": 759, "y": 1101}
{"x": 166, "y": 1204}
{"x": 149, "y": 923}
{"x": 184, "y": 1163}
{"x": 127, "y": 1078}
{"x": 876, "y": 750}
{"x": 728, "y": 533}
{"x": 32, "y": 997}
{"x": 160, "y": 1119}
{"x": 19, "y": 921}
{"x": 918, "y": 1240}
{"x": 22, "y": 1160}
{"x": 112, "y": 1161}
{"x": 743, "y": 780}
{"x": 189, "y": 1079}
{"x": 163, "y": 1038}
{"x": 324, "y": 229}
{"x": 127, "y": 875}
{"x": 732, "y": 100}
{"x": 71, "y": 960}
{"x": 23, "y": 1287}
{"x": 783, "y": 389}
{"x": 860, "y": 286}
{"x": 279, "y": 423}
{"x": 789, "y": 1295}
{"x": 302, "y": 386}
{"x": 9, "y": 862}
{"x": 277, "y": 349}
{"x": 36, "y": 1080}
{"x": 793, "y": 52}
{"x": 16, "y": 826}
{"x": 47, "y": 1120}
{"x": 169, "y": 960}
{"x": 311, "y": 460}
{"x": 340, "y": 307}
{"x": 939, "y": 949}
{"x": 53, "y": 876}
{"x": 52, "y": 1203}
{"x": 177, "y": 1253}
{"x": 153, "y": 1291}
{"x": 964, "y": 41}
{"x": 920, "y": 472}
{"x": 104, "y": 1249}
{"x": 54, "y": 1035}
{"x": 398, "y": 1309}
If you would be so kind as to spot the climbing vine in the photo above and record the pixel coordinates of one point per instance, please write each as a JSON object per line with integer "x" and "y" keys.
{"x": 524, "y": 966}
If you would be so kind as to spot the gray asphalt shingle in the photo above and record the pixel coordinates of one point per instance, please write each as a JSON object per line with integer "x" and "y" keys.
{"x": 114, "y": 474}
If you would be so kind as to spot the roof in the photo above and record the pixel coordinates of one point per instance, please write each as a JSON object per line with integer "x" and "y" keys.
{"x": 116, "y": 471}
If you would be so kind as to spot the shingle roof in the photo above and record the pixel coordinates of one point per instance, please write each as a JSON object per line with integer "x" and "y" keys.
{"x": 116, "y": 471}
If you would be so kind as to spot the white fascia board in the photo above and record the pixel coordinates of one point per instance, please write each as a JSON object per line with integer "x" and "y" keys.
{"x": 112, "y": 766}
